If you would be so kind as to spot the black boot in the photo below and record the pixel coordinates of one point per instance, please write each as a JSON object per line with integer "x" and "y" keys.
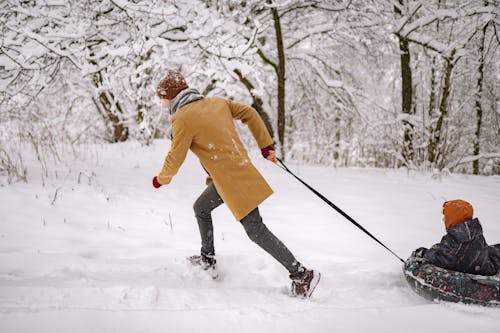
{"x": 205, "y": 261}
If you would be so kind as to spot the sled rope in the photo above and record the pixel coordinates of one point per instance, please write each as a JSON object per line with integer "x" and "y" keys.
{"x": 331, "y": 204}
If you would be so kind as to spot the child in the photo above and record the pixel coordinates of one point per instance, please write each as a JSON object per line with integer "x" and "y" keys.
{"x": 463, "y": 248}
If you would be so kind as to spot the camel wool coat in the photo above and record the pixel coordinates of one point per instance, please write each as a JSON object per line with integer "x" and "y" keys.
{"x": 206, "y": 127}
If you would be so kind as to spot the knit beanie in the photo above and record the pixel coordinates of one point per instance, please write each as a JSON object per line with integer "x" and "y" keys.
{"x": 456, "y": 211}
{"x": 172, "y": 83}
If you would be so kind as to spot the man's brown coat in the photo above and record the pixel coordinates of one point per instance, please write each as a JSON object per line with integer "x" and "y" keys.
{"x": 206, "y": 127}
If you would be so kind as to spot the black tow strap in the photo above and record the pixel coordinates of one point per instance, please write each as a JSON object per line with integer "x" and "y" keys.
{"x": 331, "y": 204}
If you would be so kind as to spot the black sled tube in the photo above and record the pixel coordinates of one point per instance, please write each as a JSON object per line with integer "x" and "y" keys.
{"x": 340, "y": 211}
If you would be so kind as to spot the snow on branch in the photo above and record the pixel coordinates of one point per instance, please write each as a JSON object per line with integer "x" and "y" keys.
{"x": 278, "y": 4}
{"x": 414, "y": 32}
{"x": 46, "y": 44}
{"x": 316, "y": 30}
{"x": 144, "y": 7}
{"x": 331, "y": 83}
{"x": 320, "y": 5}
{"x": 469, "y": 159}
{"x": 405, "y": 28}
{"x": 431, "y": 43}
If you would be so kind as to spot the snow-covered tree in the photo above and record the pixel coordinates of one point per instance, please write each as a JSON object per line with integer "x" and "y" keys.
{"x": 348, "y": 83}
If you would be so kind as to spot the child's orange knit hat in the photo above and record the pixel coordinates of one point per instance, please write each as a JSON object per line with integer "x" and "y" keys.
{"x": 456, "y": 211}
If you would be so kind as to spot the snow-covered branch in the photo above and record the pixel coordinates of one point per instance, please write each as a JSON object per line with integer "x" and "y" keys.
{"x": 406, "y": 28}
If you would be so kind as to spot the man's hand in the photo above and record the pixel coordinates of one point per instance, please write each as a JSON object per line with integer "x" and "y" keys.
{"x": 272, "y": 157}
{"x": 156, "y": 184}
{"x": 269, "y": 153}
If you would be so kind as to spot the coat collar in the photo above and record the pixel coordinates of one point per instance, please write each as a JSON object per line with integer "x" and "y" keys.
{"x": 467, "y": 230}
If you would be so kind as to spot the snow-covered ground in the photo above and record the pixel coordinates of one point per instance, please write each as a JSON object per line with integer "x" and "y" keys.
{"x": 98, "y": 249}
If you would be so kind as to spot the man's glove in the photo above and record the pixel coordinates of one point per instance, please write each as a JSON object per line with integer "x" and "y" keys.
{"x": 266, "y": 150}
{"x": 269, "y": 153}
{"x": 156, "y": 184}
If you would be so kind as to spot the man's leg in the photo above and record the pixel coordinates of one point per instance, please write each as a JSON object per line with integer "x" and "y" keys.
{"x": 258, "y": 233}
{"x": 203, "y": 206}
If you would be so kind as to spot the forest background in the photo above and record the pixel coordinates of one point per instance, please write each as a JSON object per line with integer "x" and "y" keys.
{"x": 371, "y": 83}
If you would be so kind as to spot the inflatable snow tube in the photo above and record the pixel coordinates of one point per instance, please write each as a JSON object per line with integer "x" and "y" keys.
{"x": 436, "y": 283}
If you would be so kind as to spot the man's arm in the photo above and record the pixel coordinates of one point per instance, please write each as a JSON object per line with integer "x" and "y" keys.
{"x": 251, "y": 118}
{"x": 181, "y": 142}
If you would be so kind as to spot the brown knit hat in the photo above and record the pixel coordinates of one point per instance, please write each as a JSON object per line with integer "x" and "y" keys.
{"x": 172, "y": 83}
{"x": 456, "y": 211}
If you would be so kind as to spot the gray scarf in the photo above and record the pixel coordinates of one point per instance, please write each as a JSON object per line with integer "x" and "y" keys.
{"x": 185, "y": 97}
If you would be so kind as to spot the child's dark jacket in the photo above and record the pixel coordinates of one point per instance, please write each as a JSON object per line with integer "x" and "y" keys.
{"x": 464, "y": 249}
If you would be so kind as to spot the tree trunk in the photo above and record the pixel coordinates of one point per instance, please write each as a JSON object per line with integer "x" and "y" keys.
{"x": 432, "y": 96}
{"x": 108, "y": 105}
{"x": 141, "y": 102}
{"x": 436, "y": 137}
{"x": 478, "y": 105}
{"x": 406, "y": 95}
{"x": 281, "y": 81}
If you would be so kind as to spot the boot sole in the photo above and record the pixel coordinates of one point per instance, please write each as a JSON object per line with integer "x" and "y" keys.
{"x": 314, "y": 283}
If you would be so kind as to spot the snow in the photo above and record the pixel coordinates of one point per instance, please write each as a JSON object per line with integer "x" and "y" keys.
{"x": 109, "y": 253}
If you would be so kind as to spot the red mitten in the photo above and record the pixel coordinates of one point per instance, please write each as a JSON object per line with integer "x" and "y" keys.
{"x": 156, "y": 184}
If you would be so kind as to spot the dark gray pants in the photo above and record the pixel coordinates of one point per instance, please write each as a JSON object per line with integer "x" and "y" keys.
{"x": 255, "y": 229}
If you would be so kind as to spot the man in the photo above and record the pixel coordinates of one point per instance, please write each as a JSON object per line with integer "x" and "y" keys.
{"x": 206, "y": 127}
